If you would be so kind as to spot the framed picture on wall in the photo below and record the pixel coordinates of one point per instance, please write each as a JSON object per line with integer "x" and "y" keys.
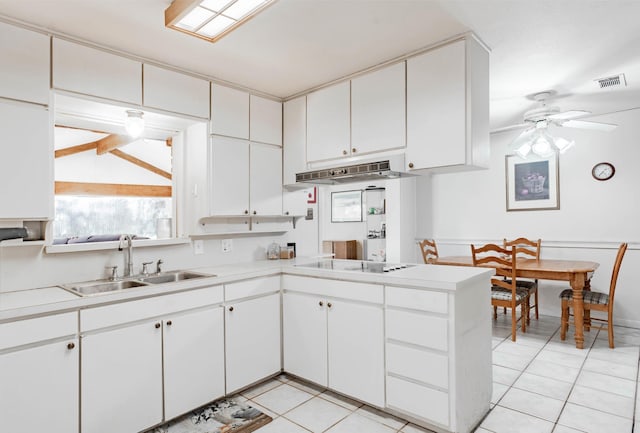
{"x": 532, "y": 183}
{"x": 346, "y": 206}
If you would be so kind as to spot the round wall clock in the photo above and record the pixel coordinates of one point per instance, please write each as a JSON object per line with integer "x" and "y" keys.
{"x": 603, "y": 171}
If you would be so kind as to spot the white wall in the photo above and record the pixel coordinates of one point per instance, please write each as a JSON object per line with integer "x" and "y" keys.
{"x": 594, "y": 217}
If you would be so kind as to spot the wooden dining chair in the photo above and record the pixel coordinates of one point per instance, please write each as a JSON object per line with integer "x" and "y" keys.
{"x": 594, "y": 300}
{"x": 429, "y": 250}
{"x": 528, "y": 249}
{"x": 504, "y": 289}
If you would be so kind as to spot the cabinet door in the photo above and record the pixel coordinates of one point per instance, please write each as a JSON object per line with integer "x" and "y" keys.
{"x": 378, "y": 110}
{"x": 295, "y": 202}
{"x": 356, "y": 351}
{"x": 44, "y": 395}
{"x": 252, "y": 338}
{"x": 26, "y": 166}
{"x": 305, "y": 337}
{"x": 265, "y": 120}
{"x": 229, "y": 176}
{"x": 265, "y": 176}
{"x": 173, "y": 91}
{"x": 229, "y": 112}
{"x": 294, "y": 139}
{"x": 24, "y": 74}
{"x": 436, "y": 108}
{"x": 121, "y": 379}
{"x": 193, "y": 360}
{"x": 328, "y": 124}
{"x": 81, "y": 69}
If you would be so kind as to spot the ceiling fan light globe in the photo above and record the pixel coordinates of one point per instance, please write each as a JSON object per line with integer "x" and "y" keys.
{"x": 542, "y": 147}
{"x": 563, "y": 144}
{"x": 523, "y": 150}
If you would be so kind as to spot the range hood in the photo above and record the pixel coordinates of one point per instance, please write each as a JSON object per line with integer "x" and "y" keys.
{"x": 356, "y": 172}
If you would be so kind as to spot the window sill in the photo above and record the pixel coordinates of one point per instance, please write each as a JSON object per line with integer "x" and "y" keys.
{"x": 112, "y": 245}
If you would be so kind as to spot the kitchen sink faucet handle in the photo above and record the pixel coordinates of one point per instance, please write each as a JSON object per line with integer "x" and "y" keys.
{"x": 159, "y": 266}
{"x": 113, "y": 272}
{"x": 145, "y": 271}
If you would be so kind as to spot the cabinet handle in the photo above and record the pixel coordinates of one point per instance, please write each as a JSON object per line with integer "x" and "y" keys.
{"x": 286, "y": 213}
{"x": 230, "y": 308}
{"x": 344, "y": 152}
{"x": 157, "y": 325}
{"x": 354, "y": 150}
{"x": 411, "y": 165}
{"x": 71, "y": 346}
{"x": 321, "y": 303}
{"x": 329, "y": 304}
{"x": 246, "y": 212}
{"x": 254, "y": 212}
{"x": 169, "y": 323}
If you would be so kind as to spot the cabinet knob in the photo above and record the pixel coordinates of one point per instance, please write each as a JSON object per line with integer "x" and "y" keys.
{"x": 169, "y": 323}
{"x": 344, "y": 152}
{"x": 411, "y": 165}
{"x": 246, "y": 211}
{"x": 254, "y": 212}
{"x": 321, "y": 303}
{"x": 354, "y": 150}
{"x": 329, "y": 304}
{"x": 286, "y": 213}
{"x": 157, "y": 325}
{"x": 230, "y": 308}
{"x": 71, "y": 346}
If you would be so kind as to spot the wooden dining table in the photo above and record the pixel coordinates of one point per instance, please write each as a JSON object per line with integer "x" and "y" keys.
{"x": 577, "y": 273}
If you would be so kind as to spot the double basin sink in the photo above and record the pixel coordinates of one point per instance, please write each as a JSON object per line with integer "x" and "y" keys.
{"x": 106, "y": 286}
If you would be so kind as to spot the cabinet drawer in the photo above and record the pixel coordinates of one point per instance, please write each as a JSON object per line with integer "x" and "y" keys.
{"x": 334, "y": 289}
{"x": 111, "y": 315}
{"x": 435, "y": 302}
{"x": 244, "y": 289}
{"x": 33, "y": 330}
{"x": 416, "y": 328}
{"x": 426, "y": 403}
{"x": 427, "y": 367}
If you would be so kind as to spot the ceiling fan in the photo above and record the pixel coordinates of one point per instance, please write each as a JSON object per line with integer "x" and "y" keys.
{"x": 536, "y": 138}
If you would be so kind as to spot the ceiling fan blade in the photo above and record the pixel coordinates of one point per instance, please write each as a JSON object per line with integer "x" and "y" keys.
{"x": 511, "y": 127}
{"x": 584, "y": 124}
{"x": 571, "y": 114}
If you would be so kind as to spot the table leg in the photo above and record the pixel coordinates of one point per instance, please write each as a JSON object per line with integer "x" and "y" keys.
{"x": 577, "y": 284}
{"x": 587, "y": 313}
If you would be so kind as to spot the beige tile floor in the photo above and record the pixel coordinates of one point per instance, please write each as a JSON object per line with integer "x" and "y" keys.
{"x": 541, "y": 385}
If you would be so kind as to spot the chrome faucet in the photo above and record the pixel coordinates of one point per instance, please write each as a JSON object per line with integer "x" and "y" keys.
{"x": 128, "y": 264}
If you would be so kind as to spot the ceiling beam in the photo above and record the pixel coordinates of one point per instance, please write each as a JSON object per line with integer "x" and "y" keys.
{"x": 140, "y": 163}
{"x": 111, "y": 189}
{"x": 75, "y": 149}
{"x": 112, "y": 141}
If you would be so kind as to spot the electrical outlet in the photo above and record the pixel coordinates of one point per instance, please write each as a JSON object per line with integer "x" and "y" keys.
{"x": 227, "y": 245}
{"x": 198, "y": 246}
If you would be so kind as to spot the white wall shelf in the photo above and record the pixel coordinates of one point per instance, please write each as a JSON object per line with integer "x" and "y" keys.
{"x": 112, "y": 245}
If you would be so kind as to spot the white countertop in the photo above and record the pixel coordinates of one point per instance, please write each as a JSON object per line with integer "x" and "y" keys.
{"x": 18, "y": 304}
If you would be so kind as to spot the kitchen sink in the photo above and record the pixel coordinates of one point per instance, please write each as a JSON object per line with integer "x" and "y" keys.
{"x": 171, "y": 277}
{"x": 94, "y": 288}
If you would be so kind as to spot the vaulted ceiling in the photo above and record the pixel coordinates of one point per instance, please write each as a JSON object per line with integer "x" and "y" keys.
{"x": 296, "y": 45}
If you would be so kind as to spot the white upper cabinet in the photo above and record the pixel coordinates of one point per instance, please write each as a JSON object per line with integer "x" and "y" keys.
{"x": 448, "y": 107}
{"x": 89, "y": 71}
{"x": 378, "y": 110}
{"x": 24, "y": 74}
{"x": 265, "y": 179}
{"x": 229, "y": 112}
{"x": 26, "y": 165}
{"x": 229, "y": 176}
{"x": 295, "y": 139}
{"x": 328, "y": 123}
{"x": 265, "y": 125}
{"x": 176, "y": 92}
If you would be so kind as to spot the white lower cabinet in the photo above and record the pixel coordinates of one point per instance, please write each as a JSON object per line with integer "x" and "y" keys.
{"x": 44, "y": 394}
{"x": 252, "y": 337}
{"x": 334, "y": 342}
{"x": 121, "y": 374}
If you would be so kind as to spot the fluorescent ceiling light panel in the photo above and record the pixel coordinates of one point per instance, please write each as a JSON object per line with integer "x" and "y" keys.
{"x": 211, "y": 19}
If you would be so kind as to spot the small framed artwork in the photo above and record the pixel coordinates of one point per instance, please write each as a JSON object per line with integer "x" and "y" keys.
{"x": 346, "y": 206}
{"x": 532, "y": 183}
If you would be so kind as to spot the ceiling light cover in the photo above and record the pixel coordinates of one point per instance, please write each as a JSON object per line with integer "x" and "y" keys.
{"x": 211, "y": 19}
{"x": 134, "y": 123}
